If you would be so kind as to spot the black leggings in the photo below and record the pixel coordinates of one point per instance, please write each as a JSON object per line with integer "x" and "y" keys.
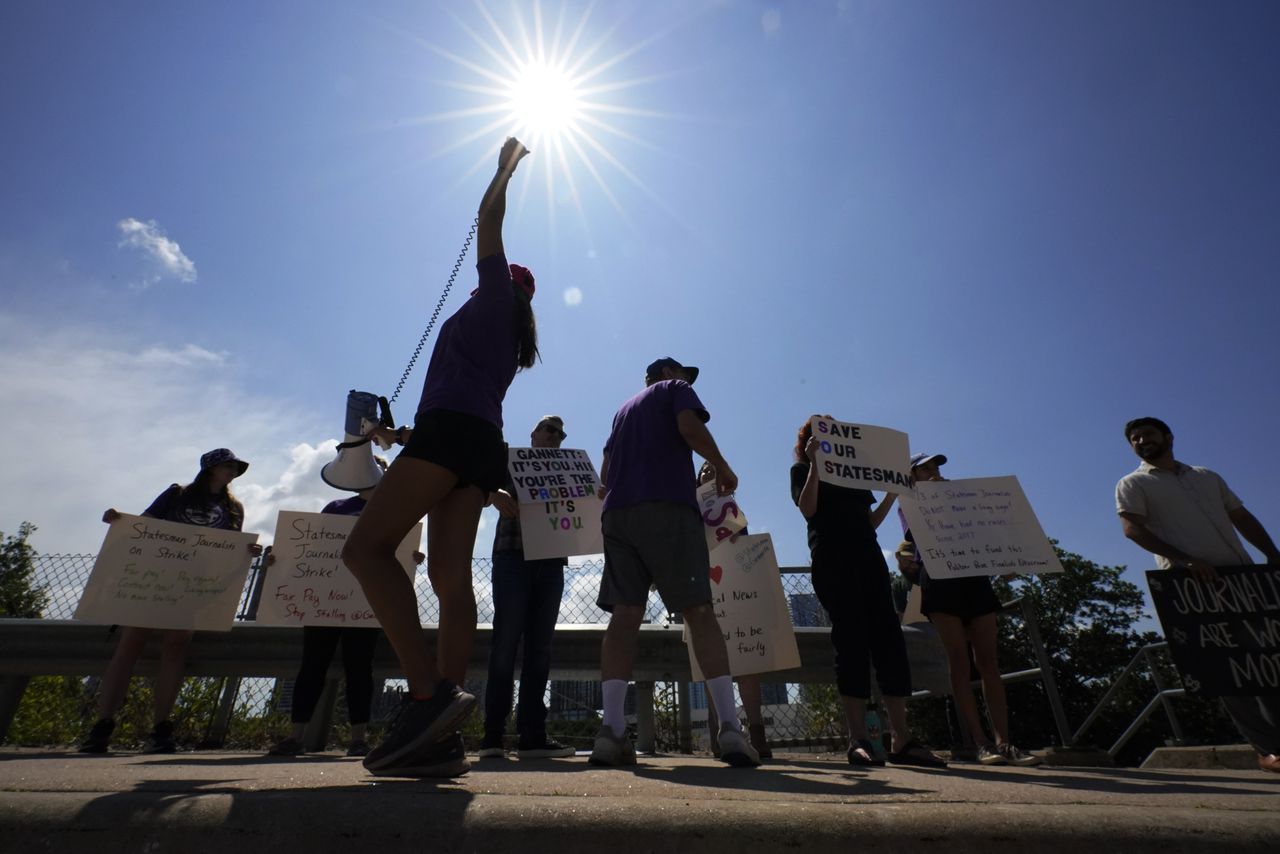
{"x": 318, "y": 646}
{"x": 854, "y": 589}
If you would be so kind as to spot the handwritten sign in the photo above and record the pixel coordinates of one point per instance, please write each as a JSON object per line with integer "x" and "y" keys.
{"x": 977, "y": 526}
{"x": 559, "y": 496}
{"x": 1224, "y": 636}
{"x": 721, "y": 515}
{"x": 308, "y": 584}
{"x": 862, "y": 456}
{"x": 746, "y": 592}
{"x": 166, "y": 575}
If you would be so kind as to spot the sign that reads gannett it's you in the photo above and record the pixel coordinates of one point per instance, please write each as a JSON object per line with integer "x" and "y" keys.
{"x": 862, "y": 456}
{"x": 156, "y": 574}
{"x": 1224, "y": 635}
{"x": 558, "y": 492}
{"x": 308, "y": 584}
{"x": 977, "y": 526}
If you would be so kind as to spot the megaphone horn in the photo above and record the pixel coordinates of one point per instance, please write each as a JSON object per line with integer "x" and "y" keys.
{"x": 355, "y": 469}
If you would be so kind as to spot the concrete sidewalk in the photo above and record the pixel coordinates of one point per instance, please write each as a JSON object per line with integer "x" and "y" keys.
{"x": 220, "y": 802}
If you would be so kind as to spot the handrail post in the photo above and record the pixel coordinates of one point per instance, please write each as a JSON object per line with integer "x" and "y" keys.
{"x": 1046, "y": 673}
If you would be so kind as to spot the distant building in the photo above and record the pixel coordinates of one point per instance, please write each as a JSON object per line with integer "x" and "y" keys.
{"x": 807, "y": 611}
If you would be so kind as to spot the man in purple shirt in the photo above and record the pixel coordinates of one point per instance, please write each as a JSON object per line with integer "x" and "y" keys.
{"x": 653, "y": 535}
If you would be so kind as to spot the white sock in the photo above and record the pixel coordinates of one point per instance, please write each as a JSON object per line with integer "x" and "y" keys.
{"x": 721, "y": 690}
{"x": 615, "y": 695}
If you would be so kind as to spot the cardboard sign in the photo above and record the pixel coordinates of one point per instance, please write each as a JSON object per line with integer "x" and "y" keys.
{"x": 308, "y": 584}
{"x": 558, "y": 491}
{"x": 721, "y": 515}
{"x": 977, "y": 526}
{"x": 1225, "y": 636}
{"x": 746, "y": 592}
{"x": 166, "y": 575}
{"x": 862, "y": 456}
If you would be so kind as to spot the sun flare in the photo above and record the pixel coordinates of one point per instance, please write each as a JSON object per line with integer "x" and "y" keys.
{"x": 545, "y": 103}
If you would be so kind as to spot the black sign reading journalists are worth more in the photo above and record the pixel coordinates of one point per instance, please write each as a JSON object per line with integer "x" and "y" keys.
{"x": 1224, "y": 636}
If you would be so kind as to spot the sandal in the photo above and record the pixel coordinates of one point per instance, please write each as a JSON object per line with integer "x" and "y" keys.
{"x": 915, "y": 753}
{"x": 859, "y": 760}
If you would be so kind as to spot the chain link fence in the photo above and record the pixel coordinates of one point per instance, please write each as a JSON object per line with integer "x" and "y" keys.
{"x": 795, "y": 715}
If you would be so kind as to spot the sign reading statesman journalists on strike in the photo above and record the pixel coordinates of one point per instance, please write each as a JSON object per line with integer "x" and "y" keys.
{"x": 862, "y": 456}
{"x": 1224, "y": 636}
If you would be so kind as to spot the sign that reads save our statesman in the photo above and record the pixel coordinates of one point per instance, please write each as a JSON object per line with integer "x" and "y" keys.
{"x": 862, "y": 456}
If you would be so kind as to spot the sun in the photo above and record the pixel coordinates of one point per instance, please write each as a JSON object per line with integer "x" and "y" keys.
{"x": 549, "y": 80}
{"x": 545, "y": 102}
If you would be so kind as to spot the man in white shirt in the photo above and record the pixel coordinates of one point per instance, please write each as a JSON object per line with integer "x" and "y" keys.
{"x": 1188, "y": 516}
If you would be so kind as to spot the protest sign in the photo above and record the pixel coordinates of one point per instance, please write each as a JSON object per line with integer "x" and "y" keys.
{"x": 862, "y": 456}
{"x": 977, "y": 526}
{"x": 746, "y": 592}
{"x": 559, "y": 496}
{"x": 308, "y": 584}
{"x": 166, "y": 575}
{"x": 1224, "y": 636}
{"x": 721, "y": 515}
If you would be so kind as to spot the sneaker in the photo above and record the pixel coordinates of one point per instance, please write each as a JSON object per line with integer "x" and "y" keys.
{"x": 988, "y": 756}
{"x": 287, "y": 747}
{"x": 419, "y": 724}
{"x": 359, "y": 747}
{"x": 612, "y": 750}
{"x": 965, "y": 754}
{"x": 546, "y": 748}
{"x": 491, "y": 748}
{"x": 735, "y": 749}
{"x": 99, "y": 738}
{"x": 1015, "y": 756}
{"x": 446, "y": 758}
{"x": 161, "y": 739}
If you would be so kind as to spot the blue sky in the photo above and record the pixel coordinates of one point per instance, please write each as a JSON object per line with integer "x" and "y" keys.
{"x": 1002, "y": 227}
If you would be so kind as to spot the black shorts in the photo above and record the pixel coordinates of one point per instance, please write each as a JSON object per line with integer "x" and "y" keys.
{"x": 466, "y": 445}
{"x": 965, "y": 598}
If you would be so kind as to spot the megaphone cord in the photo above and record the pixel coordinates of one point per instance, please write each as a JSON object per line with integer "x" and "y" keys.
{"x": 435, "y": 315}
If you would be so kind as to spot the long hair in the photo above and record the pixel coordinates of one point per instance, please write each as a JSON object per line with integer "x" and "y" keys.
{"x": 197, "y": 492}
{"x": 802, "y": 439}
{"x": 526, "y": 330}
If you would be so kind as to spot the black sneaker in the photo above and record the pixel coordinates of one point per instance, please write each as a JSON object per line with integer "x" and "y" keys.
{"x": 161, "y": 739}
{"x": 99, "y": 738}
{"x": 419, "y": 724}
{"x": 447, "y": 758}
{"x": 287, "y": 747}
{"x": 545, "y": 748}
{"x": 492, "y": 748}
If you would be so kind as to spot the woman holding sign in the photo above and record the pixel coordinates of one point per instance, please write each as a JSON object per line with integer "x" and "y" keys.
{"x": 964, "y": 612}
{"x": 206, "y": 501}
{"x": 453, "y": 458}
{"x": 851, "y": 581}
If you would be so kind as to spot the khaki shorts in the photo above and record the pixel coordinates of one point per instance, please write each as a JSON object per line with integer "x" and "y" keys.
{"x": 658, "y": 543}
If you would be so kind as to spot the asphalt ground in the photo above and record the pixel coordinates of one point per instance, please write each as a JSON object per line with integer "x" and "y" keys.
{"x": 236, "y": 802}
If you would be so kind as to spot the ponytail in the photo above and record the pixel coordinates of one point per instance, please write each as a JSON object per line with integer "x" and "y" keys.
{"x": 526, "y": 330}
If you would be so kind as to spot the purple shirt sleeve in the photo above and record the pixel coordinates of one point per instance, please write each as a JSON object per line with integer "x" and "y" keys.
{"x": 164, "y": 503}
{"x": 684, "y": 397}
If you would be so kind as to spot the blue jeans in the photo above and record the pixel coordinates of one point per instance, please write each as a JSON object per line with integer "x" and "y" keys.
{"x": 526, "y": 603}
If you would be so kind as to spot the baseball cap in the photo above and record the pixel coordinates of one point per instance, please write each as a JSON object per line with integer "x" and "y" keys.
{"x": 921, "y": 459}
{"x": 655, "y": 369}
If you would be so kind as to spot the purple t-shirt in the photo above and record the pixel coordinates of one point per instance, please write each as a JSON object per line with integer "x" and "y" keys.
{"x": 345, "y": 506}
{"x": 474, "y": 360}
{"x": 208, "y": 513}
{"x": 648, "y": 458}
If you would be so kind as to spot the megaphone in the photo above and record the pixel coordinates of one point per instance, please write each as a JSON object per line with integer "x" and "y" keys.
{"x": 355, "y": 469}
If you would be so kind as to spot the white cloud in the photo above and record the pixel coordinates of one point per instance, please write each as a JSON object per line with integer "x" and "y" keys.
{"x": 164, "y": 253}
{"x": 96, "y": 422}
{"x": 573, "y": 296}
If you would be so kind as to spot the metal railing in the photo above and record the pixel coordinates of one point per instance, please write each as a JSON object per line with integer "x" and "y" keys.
{"x": 1162, "y": 699}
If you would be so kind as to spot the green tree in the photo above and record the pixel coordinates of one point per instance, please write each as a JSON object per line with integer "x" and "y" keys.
{"x": 19, "y": 595}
